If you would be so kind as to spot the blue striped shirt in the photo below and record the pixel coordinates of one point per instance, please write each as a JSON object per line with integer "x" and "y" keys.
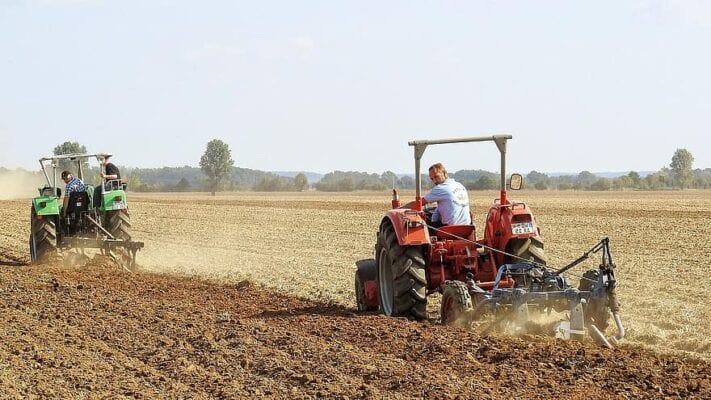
{"x": 75, "y": 185}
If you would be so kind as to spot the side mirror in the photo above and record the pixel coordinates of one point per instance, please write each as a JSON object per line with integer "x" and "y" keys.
{"x": 516, "y": 181}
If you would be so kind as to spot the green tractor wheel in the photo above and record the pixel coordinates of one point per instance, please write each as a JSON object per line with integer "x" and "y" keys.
{"x": 118, "y": 223}
{"x": 43, "y": 237}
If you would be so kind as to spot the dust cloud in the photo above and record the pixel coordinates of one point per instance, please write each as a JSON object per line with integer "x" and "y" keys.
{"x": 19, "y": 184}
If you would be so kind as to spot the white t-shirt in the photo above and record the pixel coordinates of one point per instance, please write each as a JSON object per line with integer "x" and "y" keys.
{"x": 452, "y": 203}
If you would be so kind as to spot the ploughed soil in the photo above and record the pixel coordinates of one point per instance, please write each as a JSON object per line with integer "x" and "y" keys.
{"x": 98, "y": 332}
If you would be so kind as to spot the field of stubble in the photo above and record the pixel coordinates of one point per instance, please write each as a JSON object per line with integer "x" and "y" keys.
{"x": 306, "y": 245}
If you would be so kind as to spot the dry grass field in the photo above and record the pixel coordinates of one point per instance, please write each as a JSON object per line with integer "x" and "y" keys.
{"x": 306, "y": 245}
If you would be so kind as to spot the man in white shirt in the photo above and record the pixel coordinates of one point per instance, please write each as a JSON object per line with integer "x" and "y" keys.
{"x": 451, "y": 197}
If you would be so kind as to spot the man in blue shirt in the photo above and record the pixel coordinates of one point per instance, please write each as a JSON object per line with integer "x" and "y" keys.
{"x": 451, "y": 197}
{"x": 73, "y": 185}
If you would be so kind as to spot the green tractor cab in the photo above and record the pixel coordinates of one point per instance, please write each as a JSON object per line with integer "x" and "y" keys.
{"x": 105, "y": 226}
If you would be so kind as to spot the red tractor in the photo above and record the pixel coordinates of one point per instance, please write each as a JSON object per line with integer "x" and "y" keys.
{"x": 502, "y": 272}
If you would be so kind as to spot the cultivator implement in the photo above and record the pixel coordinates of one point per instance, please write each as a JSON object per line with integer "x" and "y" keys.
{"x": 545, "y": 290}
{"x": 122, "y": 251}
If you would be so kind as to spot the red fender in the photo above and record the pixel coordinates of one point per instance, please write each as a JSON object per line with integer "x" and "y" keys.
{"x": 409, "y": 226}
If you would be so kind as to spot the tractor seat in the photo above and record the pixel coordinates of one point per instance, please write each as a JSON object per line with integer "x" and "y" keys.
{"x": 78, "y": 202}
{"x": 465, "y": 231}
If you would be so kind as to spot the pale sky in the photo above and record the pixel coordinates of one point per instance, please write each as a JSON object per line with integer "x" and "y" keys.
{"x": 343, "y": 85}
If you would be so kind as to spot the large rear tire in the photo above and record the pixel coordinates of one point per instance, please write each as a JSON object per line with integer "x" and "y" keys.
{"x": 119, "y": 225}
{"x": 401, "y": 277}
{"x": 597, "y": 311}
{"x": 456, "y": 304}
{"x": 43, "y": 237}
{"x": 530, "y": 249}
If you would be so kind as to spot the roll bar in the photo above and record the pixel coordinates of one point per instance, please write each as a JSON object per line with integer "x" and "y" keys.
{"x": 73, "y": 157}
{"x": 421, "y": 145}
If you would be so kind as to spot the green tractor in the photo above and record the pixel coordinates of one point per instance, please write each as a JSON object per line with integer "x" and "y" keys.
{"x": 83, "y": 225}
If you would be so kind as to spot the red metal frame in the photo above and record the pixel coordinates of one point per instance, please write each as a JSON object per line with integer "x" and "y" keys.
{"x": 498, "y": 233}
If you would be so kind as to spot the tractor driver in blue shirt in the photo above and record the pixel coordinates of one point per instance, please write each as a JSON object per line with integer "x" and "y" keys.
{"x": 451, "y": 197}
{"x": 72, "y": 185}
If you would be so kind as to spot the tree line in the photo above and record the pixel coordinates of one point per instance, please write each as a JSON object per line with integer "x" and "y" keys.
{"x": 217, "y": 172}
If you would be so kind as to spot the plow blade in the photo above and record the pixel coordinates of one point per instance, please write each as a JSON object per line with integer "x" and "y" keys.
{"x": 122, "y": 251}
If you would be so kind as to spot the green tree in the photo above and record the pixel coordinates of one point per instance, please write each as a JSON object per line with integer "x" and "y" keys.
{"x": 407, "y": 182}
{"x": 70, "y": 148}
{"x": 622, "y": 182}
{"x": 216, "y": 163}
{"x": 681, "y": 167}
{"x": 183, "y": 185}
{"x": 389, "y": 179}
{"x": 133, "y": 180}
{"x": 485, "y": 182}
{"x": 601, "y": 184}
{"x": 541, "y": 185}
{"x": 635, "y": 178}
{"x": 300, "y": 182}
{"x": 534, "y": 177}
{"x": 585, "y": 179}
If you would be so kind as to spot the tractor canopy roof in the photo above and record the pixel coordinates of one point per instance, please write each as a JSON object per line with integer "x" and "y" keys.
{"x": 74, "y": 157}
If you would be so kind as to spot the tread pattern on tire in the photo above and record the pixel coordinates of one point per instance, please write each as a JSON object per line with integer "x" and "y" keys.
{"x": 44, "y": 232}
{"x": 409, "y": 278}
{"x": 459, "y": 293}
{"x": 529, "y": 249}
{"x": 119, "y": 225}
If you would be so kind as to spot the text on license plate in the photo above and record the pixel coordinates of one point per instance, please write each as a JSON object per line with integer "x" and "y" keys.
{"x": 523, "y": 227}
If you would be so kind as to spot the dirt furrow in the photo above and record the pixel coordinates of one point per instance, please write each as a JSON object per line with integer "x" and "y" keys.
{"x": 98, "y": 332}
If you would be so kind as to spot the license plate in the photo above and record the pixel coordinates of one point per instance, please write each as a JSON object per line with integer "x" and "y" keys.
{"x": 118, "y": 205}
{"x": 521, "y": 228}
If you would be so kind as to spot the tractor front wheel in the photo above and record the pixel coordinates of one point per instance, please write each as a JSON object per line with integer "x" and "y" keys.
{"x": 401, "y": 277}
{"x": 456, "y": 304}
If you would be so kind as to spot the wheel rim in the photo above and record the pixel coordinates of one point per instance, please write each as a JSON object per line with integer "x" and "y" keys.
{"x": 385, "y": 280}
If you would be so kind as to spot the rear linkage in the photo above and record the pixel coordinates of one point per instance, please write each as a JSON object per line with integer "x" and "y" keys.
{"x": 548, "y": 289}
{"x": 122, "y": 251}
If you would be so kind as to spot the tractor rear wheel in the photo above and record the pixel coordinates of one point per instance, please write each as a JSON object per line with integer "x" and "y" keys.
{"x": 401, "y": 277}
{"x": 530, "y": 249}
{"x": 118, "y": 224}
{"x": 456, "y": 304}
{"x": 43, "y": 237}
{"x": 597, "y": 311}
